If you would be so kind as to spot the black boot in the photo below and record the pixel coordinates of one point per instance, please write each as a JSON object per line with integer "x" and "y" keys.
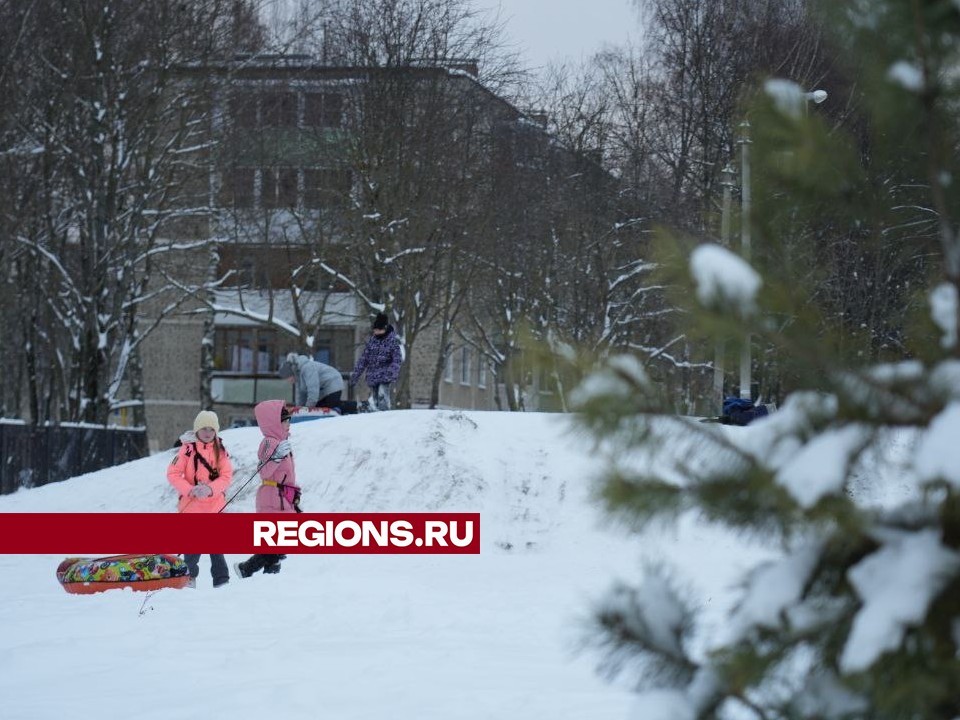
{"x": 272, "y": 566}
{"x": 258, "y": 562}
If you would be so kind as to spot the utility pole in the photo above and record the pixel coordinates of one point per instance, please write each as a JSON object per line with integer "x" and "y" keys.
{"x": 727, "y": 183}
{"x": 745, "y": 359}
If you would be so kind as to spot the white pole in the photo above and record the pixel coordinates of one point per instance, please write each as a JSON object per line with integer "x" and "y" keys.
{"x": 745, "y": 360}
{"x": 726, "y": 181}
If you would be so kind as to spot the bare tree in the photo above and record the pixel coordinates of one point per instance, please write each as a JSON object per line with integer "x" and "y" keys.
{"x": 421, "y": 123}
{"x": 673, "y": 105}
{"x": 115, "y": 137}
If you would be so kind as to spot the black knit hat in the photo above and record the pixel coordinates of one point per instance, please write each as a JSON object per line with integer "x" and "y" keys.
{"x": 381, "y": 322}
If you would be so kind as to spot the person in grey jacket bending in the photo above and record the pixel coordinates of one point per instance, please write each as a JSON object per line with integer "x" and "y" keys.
{"x": 318, "y": 385}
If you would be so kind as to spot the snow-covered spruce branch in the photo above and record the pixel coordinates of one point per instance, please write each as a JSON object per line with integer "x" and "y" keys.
{"x": 650, "y": 626}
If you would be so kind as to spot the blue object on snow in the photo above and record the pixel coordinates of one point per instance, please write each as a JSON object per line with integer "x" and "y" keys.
{"x": 739, "y": 411}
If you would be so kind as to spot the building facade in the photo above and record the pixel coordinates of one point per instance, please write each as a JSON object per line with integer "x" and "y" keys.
{"x": 304, "y": 162}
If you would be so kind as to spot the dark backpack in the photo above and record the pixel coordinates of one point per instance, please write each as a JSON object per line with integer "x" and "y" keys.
{"x": 738, "y": 411}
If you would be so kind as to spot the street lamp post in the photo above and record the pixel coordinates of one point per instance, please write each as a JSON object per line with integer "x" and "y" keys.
{"x": 745, "y": 359}
{"x": 817, "y": 97}
{"x": 727, "y": 176}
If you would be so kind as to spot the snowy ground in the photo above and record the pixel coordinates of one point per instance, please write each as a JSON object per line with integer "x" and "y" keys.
{"x": 498, "y": 635}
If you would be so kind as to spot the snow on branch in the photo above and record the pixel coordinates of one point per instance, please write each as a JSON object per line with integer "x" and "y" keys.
{"x": 351, "y": 284}
{"x": 265, "y": 318}
{"x": 943, "y": 310}
{"x": 403, "y": 253}
{"x": 724, "y": 278}
{"x": 55, "y": 261}
{"x": 896, "y": 584}
{"x": 652, "y": 621}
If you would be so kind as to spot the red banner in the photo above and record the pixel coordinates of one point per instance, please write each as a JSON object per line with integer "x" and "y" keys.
{"x": 239, "y": 533}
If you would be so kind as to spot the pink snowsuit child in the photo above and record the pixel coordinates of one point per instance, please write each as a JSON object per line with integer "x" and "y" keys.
{"x": 201, "y": 473}
{"x": 278, "y": 491}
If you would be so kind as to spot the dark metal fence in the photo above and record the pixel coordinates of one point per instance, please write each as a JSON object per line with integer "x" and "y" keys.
{"x": 32, "y": 456}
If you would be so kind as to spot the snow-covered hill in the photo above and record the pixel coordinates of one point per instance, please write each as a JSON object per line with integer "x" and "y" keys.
{"x": 499, "y": 635}
{"x": 419, "y": 637}
{"x": 498, "y": 463}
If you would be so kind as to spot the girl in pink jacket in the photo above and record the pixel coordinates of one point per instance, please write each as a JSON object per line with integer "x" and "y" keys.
{"x": 278, "y": 491}
{"x": 201, "y": 473}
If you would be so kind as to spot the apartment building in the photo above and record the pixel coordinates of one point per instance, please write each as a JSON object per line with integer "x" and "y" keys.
{"x": 301, "y": 160}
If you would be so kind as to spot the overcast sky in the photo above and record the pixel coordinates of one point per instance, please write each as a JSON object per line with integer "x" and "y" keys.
{"x": 553, "y": 30}
{"x": 542, "y": 31}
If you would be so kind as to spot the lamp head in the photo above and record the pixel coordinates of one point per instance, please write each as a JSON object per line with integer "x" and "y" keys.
{"x": 727, "y": 176}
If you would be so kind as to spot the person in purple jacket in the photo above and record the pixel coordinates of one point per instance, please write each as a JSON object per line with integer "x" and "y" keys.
{"x": 380, "y": 359}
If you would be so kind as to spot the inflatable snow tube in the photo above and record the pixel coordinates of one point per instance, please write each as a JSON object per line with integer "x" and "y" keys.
{"x": 304, "y": 414}
{"x": 83, "y": 576}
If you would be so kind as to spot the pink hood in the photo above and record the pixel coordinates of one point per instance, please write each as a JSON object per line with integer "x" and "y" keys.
{"x": 268, "y": 418}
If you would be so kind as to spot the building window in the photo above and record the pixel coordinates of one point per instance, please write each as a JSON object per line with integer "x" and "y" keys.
{"x": 481, "y": 373}
{"x": 245, "y": 365}
{"x": 249, "y": 390}
{"x": 279, "y": 188}
{"x": 323, "y": 354}
{"x": 250, "y": 350}
{"x": 238, "y": 187}
{"x": 253, "y": 274}
{"x": 465, "y": 366}
{"x": 448, "y": 370}
{"x": 546, "y": 381}
{"x": 245, "y": 272}
{"x": 243, "y": 110}
{"x": 323, "y": 110}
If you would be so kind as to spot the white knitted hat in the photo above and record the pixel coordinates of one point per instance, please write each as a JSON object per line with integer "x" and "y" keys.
{"x": 206, "y": 418}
